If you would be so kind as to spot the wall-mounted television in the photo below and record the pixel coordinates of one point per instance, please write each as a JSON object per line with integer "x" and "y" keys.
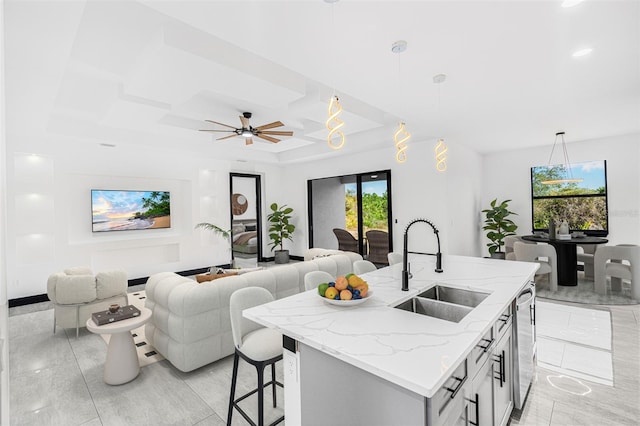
{"x": 118, "y": 210}
{"x": 582, "y": 202}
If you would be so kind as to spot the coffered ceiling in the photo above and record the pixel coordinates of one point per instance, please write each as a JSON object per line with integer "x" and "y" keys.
{"x": 149, "y": 73}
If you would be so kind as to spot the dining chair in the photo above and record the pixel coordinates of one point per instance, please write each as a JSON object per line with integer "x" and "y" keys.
{"x": 508, "y": 246}
{"x": 363, "y": 266}
{"x": 257, "y": 345}
{"x": 394, "y": 258}
{"x": 620, "y": 262}
{"x": 378, "y": 242}
{"x": 314, "y": 278}
{"x": 586, "y": 255}
{"x": 346, "y": 241}
{"x": 544, "y": 254}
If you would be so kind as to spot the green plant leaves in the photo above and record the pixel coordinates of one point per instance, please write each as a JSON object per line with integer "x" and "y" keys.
{"x": 280, "y": 228}
{"x": 498, "y": 224}
{"x": 213, "y": 228}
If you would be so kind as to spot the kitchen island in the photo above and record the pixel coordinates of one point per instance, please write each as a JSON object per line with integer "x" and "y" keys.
{"x": 375, "y": 364}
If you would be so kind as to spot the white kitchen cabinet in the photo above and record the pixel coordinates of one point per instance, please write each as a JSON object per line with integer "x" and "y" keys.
{"x": 481, "y": 397}
{"x": 490, "y": 397}
{"x": 503, "y": 380}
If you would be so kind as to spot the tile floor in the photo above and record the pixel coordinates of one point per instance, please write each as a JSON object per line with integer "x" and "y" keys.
{"x": 57, "y": 380}
{"x": 575, "y": 341}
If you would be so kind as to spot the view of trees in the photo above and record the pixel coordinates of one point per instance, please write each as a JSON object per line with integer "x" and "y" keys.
{"x": 374, "y": 211}
{"x": 582, "y": 208}
{"x": 157, "y": 205}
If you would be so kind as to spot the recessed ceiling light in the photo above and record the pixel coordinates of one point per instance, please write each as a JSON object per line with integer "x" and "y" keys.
{"x": 571, "y": 3}
{"x": 399, "y": 46}
{"x": 582, "y": 52}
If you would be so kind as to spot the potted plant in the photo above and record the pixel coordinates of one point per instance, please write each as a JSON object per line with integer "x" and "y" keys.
{"x": 279, "y": 230}
{"x": 499, "y": 226}
{"x": 216, "y": 230}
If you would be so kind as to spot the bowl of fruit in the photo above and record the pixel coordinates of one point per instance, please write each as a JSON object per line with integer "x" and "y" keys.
{"x": 347, "y": 290}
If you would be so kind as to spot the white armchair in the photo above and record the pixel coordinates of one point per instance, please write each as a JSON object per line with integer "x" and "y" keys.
{"x": 586, "y": 255}
{"x": 544, "y": 254}
{"x": 76, "y": 293}
{"x": 621, "y": 262}
{"x": 509, "y": 241}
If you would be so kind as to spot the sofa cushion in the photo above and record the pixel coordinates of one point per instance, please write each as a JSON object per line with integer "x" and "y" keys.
{"x": 70, "y": 289}
{"x": 111, "y": 283}
{"x": 79, "y": 270}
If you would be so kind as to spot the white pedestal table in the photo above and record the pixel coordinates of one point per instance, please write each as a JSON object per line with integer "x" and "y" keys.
{"x": 121, "y": 365}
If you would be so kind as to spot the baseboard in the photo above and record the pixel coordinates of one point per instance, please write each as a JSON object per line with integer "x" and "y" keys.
{"x": 272, "y": 259}
{"x": 39, "y": 298}
{"x": 29, "y": 300}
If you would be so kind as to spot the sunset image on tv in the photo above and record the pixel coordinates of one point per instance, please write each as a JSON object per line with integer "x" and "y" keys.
{"x": 130, "y": 210}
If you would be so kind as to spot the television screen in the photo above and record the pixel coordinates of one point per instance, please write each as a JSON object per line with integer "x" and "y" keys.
{"x": 115, "y": 210}
{"x": 577, "y": 195}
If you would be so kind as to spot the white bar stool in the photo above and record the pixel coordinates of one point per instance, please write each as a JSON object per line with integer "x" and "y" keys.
{"x": 257, "y": 345}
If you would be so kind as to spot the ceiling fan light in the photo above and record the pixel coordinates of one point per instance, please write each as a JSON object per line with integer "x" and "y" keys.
{"x": 246, "y": 133}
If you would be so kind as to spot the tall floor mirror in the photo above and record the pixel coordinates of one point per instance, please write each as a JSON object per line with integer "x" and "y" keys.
{"x": 246, "y": 235}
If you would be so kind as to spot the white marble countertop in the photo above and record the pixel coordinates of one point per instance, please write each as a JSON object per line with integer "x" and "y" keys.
{"x": 414, "y": 351}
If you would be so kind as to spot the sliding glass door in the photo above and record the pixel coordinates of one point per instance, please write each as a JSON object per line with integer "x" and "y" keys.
{"x": 358, "y": 204}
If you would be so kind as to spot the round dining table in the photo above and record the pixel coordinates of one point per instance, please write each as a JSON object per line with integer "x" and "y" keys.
{"x": 566, "y": 253}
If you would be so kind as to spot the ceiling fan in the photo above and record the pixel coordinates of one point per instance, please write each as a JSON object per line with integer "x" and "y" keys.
{"x": 248, "y": 132}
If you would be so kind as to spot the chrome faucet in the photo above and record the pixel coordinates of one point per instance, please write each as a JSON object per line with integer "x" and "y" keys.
{"x": 405, "y": 254}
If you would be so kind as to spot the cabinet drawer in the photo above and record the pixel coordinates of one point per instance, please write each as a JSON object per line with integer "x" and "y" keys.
{"x": 449, "y": 398}
{"x": 480, "y": 353}
{"x": 503, "y": 322}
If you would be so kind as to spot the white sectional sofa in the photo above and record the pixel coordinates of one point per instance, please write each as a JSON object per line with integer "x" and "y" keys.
{"x": 190, "y": 324}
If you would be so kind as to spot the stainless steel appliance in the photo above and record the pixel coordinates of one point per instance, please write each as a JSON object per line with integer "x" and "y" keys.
{"x": 524, "y": 344}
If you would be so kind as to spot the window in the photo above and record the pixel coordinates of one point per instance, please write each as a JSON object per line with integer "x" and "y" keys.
{"x": 583, "y": 204}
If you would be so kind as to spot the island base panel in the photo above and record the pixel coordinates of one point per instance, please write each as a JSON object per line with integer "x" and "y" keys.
{"x": 334, "y": 392}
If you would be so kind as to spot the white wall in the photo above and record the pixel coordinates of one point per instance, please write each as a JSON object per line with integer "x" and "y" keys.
{"x": 507, "y": 175}
{"x": 328, "y": 211}
{"x": 451, "y": 200}
{"x": 49, "y": 210}
{"x": 4, "y": 311}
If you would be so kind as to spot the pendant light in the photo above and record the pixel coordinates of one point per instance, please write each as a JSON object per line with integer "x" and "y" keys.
{"x": 335, "y": 137}
{"x": 401, "y": 136}
{"x": 440, "y": 151}
{"x": 566, "y": 166}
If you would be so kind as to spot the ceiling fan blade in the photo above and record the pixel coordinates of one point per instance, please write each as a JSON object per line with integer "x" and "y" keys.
{"x": 207, "y": 130}
{"x": 222, "y": 124}
{"x": 248, "y": 141}
{"x": 270, "y": 125}
{"x": 245, "y": 122}
{"x": 227, "y": 137}
{"x": 276, "y": 132}
{"x": 267, "y": 138}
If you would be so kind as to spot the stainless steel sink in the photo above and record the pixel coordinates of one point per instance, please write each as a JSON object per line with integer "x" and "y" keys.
{"x": 454, "y": 295}
{"x": 434, "y": 308}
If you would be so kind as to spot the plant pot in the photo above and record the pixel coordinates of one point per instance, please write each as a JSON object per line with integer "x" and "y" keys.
{"x": 498, "y": 255}
{"x": 281, "y": 256}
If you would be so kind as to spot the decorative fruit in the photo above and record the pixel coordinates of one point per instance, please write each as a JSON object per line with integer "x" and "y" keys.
{"x": 341, "y": 283}
{"x": 331, "y": 293}
{"x": 322, "y": 288}
{"x": 345, "y": 295}
{"x": 348, "y": 287}
{"x": 363, "y": 289}
{"x": 355, "y": 280}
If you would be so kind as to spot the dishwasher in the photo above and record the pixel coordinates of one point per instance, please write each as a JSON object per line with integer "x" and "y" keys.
{"x": 524, "y": 344}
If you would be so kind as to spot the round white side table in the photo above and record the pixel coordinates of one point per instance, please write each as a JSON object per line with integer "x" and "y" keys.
{"x": 122, "y": 364}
